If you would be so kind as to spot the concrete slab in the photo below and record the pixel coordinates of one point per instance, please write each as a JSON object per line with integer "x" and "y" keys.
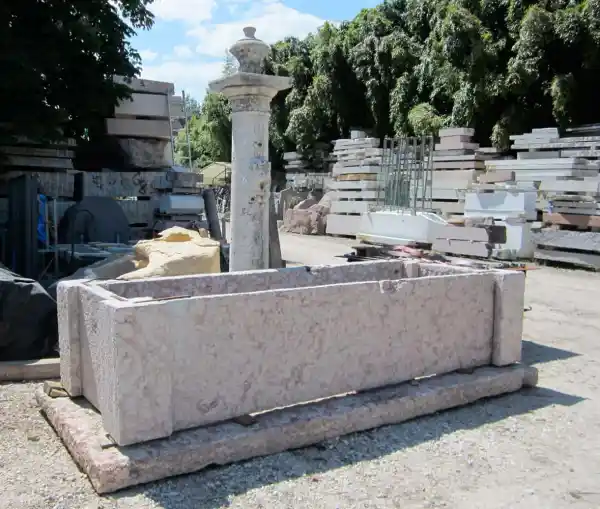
{"x": 338, "y": 224}
{"x": 564, "y": 239}
{"x": 462, "y": 247}
{"x": 351, "y": 207}
{"x": 456, "y": 131}
{"x": 17, "y": 371}
{"x": 144, "y": 105}
{"x": 129, "y": 127}
{"x": 111, "y": 468}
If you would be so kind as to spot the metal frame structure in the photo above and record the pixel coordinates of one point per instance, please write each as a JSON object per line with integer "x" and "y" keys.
{"x": 407, "y": 174}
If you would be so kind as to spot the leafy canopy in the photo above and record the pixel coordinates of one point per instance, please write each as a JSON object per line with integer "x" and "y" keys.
{"x": 412, "y": 66}
{"x": 57, "y": 61}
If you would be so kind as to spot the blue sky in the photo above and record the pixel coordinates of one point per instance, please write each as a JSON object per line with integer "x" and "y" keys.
{"x": 187, "y": 44}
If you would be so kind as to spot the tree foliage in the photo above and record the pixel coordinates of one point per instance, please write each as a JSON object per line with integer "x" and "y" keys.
{"x": 412, "y": 66}
{"x": 209, "y": 134}
{"x": 58, "y": 59}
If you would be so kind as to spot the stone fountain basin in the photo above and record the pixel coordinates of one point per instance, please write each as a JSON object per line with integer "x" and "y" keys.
{"x": 165, "y": 354}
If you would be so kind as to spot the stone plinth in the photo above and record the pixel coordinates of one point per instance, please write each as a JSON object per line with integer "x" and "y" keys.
{"x": 250, "y": 94}
{"x": 112, "y": 468}
{"x": 166, "y": 354}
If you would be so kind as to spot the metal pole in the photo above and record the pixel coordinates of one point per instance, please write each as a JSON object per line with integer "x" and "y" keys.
{"x": 171, "y": 130}
{"x": 55, "y": 225}
{"x": 187, "y": 129}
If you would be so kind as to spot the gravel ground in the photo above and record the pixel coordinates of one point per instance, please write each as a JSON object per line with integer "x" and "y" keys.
{"x": 539, "y": 448}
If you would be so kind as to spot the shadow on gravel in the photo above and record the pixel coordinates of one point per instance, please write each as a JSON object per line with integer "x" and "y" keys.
{"x": 536, "y": 353}
{"x": 215, "y": 487}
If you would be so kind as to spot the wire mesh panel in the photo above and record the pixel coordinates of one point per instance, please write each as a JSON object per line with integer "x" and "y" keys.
{"x": 406, "y": 176}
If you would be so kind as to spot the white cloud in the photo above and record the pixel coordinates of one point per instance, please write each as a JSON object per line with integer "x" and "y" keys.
{"x": 190, "y": 11}
{"x": 148, "y": 55}
{"x": 182, "y": 52}
{"x": 189, "y": 76}
{"x": 192, "y": 71}
{"x": 273, "y": 21}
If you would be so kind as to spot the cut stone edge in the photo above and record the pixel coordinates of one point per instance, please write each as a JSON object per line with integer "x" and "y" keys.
{"x": 111, "y": 468}
{"x": 39, "y": 369}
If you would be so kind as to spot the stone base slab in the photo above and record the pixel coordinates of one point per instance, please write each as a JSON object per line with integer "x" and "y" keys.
{"x": 19, "y": 371}
{"x": 111, "y": 468}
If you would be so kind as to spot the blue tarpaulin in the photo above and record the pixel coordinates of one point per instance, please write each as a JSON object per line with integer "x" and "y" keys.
{"x": 41, "y": 227}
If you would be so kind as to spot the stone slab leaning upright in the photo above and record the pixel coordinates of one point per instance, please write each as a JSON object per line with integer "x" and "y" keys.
{"x": 250, "y": 93}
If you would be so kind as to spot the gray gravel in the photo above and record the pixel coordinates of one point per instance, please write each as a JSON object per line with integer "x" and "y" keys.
{"x": 539, "y": 448}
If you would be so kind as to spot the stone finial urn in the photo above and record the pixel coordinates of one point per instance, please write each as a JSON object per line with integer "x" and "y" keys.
{"x": 250, "y": 52}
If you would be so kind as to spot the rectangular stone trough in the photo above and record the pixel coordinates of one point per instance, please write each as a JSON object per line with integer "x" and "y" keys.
{"x": 161, "y": 355}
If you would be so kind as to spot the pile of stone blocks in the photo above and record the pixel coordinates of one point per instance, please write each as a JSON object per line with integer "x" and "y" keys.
{"x": 307, "y": 172}
{"x": 545, "y": 179}
{"x": 355, "y": 182}
{"x": 142, "y": 124}
{"x": 564, "y": 170}
{"x": 31, "y": 155}
{"x": 229, "y": 386}
{"x": 470, "y": 237}
{"x": 456, "y": 166}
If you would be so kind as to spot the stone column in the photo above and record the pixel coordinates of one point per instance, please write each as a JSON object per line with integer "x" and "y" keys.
{"x": 250, "y": 93}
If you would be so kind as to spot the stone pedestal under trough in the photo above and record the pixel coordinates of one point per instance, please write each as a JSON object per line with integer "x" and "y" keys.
{"x": 165, "y": 358}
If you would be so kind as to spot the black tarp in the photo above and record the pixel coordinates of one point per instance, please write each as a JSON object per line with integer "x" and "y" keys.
{"x": 28, "y": 319}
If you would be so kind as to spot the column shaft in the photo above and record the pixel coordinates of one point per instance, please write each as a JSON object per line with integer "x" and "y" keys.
{"x": 250, "y": 191}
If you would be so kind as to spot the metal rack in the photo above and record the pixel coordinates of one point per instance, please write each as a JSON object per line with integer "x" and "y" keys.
{"x": 407, "y": 174}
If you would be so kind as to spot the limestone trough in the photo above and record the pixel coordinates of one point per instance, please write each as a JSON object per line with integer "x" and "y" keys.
{"x": 174, "y": 360}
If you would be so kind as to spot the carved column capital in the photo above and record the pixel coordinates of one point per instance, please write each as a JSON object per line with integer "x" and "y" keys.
{"x": 256, "y": 103}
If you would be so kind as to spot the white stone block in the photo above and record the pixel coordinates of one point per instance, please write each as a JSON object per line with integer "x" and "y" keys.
{"x": 539, "y": 154}
{"x": 144, "y": 105}
{"x": 456, "y": 131}
{"x": 128, "y": 127}
{"x": 350, "y": 207}
{"x": 338, "y": 224}
{"x": 456, "y": 146}
{"x": 501, "y": 204}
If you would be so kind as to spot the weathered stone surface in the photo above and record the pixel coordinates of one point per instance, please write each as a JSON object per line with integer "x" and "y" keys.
{"x": 68, "y": 332}
{"x": 111, "y": 468}
{"x": 18, "y": 371}
{"x": 145, "y": 153}
{"x": 379, "y": 332}
{"x": 509, "y": 302}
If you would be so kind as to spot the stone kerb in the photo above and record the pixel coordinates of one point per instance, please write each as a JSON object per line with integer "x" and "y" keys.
{"x": 395, "y": 322}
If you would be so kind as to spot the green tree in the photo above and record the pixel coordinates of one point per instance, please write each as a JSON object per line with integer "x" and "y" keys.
{"x": 209, "y": 132}
{"x": 413, "y": 66}
{"x": 229, "y": 65}
{"x": 57, "y": 62}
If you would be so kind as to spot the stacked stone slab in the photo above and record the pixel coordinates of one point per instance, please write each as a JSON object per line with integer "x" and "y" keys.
{"x": 564, "y": 170}
{"x": 456, "y": 166}
{"x": 303, "y": 173}
{"x": 544, "y": 178}
{"x": 355, "y": 182}
{"x": 470, "y": 237}
{"x": 142, "y": 124}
